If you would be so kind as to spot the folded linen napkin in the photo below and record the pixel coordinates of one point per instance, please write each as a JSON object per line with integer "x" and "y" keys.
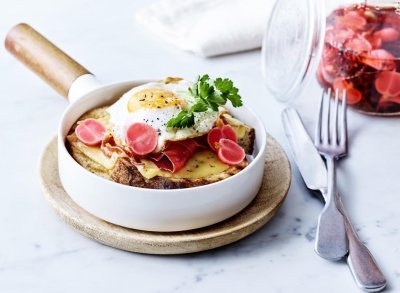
{"x": 208, "y": 27}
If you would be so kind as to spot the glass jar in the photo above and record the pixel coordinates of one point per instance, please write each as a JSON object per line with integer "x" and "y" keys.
{"x": 352, "y": 45}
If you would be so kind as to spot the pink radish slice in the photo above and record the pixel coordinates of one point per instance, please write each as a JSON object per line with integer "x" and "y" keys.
{"x": 213, "y": 137}
{"x": 217, "y": 133}
{"x": 376, "y": 42}
{"x": 329, "y": 72}
{"x": 230, "y": 152}
{"x": 359, "y": 44}
{"x": 351, "y": 20}
{"x": 380, "y": 59}
{"x": 90, "y": 131}
{"x": 229, "y": 133}
{"x": 353, "y": 95}
{"x": 387, "y": 83}
{"x": 355, "y": 20}
{"x": 383, "y": 100}
{"x": 388, "y": 34}
{"x": 337, "y": 37}
{"x": 141, "y": 138}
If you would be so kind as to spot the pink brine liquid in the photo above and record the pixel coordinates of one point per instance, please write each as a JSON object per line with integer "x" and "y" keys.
{"x": 361, "y": 54}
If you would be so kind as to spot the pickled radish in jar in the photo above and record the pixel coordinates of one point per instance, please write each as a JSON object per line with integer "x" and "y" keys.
{"x": 387, "y": 83}
{"x": 361, "y": 54}
{"x": 351, "y": 46}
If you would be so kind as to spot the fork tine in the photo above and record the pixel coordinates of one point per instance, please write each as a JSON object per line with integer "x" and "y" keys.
{"x": 343, "y": 129}
{"x": 335, "y": 119}
{"x": 326, "y": 135}
{"x": 317, "y": 139}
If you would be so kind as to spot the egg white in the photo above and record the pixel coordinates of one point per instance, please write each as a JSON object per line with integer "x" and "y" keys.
{"x": 157, "y": 117}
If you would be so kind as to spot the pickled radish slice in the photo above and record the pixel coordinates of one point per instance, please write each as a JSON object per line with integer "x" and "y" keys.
{"x": 384, "y": 99}
{"x": 230, "y": 152}
{"x": 90, "y": 131}
{"x": 229, "y": 133}
{"x": 141, "y": 138}
{"x": 359, "y": 44}
{"x": 338, "y": 37}
{"x": 380, "y": 59}
{"x": 217, "y": 133}
{"x": 392, "y": 19}
{"x": 376, "y": 42}
{"x": 328, "y": 72}
{"x": 387, "y": 34}
{"x": 387, "y": 83}
{"x": 213, "y": 137}
{"x": 354, "y": 20}
{"x": 354, "y": 96}
{"x": 351, "y": 20}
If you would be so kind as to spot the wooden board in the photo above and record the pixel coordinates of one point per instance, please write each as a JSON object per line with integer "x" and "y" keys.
{"x": 276, "y": 184}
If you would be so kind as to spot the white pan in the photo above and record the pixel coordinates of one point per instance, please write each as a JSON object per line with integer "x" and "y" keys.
{"x": 132, "y": 207}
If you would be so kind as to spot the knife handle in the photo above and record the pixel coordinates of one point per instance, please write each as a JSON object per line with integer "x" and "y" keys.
{"x": 363, "y": 266}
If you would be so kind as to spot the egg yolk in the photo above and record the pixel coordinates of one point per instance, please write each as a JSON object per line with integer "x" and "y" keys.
{"x": 154, "y": 98}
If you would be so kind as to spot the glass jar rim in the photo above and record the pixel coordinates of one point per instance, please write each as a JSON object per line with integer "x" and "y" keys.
{"x": 286, "y": 81}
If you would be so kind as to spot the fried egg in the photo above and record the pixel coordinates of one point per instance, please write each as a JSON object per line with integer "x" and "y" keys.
{"x": 155, "y": 103}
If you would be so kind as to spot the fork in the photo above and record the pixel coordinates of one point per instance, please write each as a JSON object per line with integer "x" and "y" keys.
{"x": 331, "y": 241}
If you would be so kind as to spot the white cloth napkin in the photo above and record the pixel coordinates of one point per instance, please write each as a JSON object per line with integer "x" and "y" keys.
{"x": 208, "y": 27}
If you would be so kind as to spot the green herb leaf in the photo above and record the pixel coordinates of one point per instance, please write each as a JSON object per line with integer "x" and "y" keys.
{"x": 228, "y": 91}
{"x": 223, "y": 85}
{"x": 235, "y": 99}
{"x": 217, "y": 98}
{"x": 182, "y": 120}
{"x": 209, "y": 95}
{"x": 205, "y": 89}
{"x": 200, "y": 106}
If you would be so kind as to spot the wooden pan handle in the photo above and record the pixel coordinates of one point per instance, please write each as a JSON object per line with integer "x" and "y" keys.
{"x": 45, "y": 59}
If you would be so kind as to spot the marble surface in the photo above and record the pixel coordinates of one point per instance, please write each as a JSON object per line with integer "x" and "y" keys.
{"x": 39, "y": 253}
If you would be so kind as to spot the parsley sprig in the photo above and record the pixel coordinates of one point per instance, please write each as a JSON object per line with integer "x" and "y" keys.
{"x": 208, "y": 94}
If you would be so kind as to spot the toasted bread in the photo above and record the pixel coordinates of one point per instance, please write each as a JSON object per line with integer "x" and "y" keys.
{"x": 203, "y": 168}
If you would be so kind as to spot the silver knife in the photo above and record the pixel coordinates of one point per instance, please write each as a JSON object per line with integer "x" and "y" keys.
{"x": 363, "y": 267}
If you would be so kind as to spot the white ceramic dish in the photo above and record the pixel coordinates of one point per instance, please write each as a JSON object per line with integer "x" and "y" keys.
{"x": 132, "y": 207}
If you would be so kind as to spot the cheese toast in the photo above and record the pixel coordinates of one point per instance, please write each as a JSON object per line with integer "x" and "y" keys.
{"x": 203, "y": 168}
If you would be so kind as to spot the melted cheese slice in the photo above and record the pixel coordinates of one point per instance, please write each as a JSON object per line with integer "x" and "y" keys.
{"x": 202, "y": 164}
{"x": 93, "y": 153}
{"x": 97, "y": 155}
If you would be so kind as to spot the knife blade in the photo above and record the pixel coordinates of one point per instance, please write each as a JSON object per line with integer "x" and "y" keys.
{"x": 307, "y": 158}
{"x": 363, "y": 266}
